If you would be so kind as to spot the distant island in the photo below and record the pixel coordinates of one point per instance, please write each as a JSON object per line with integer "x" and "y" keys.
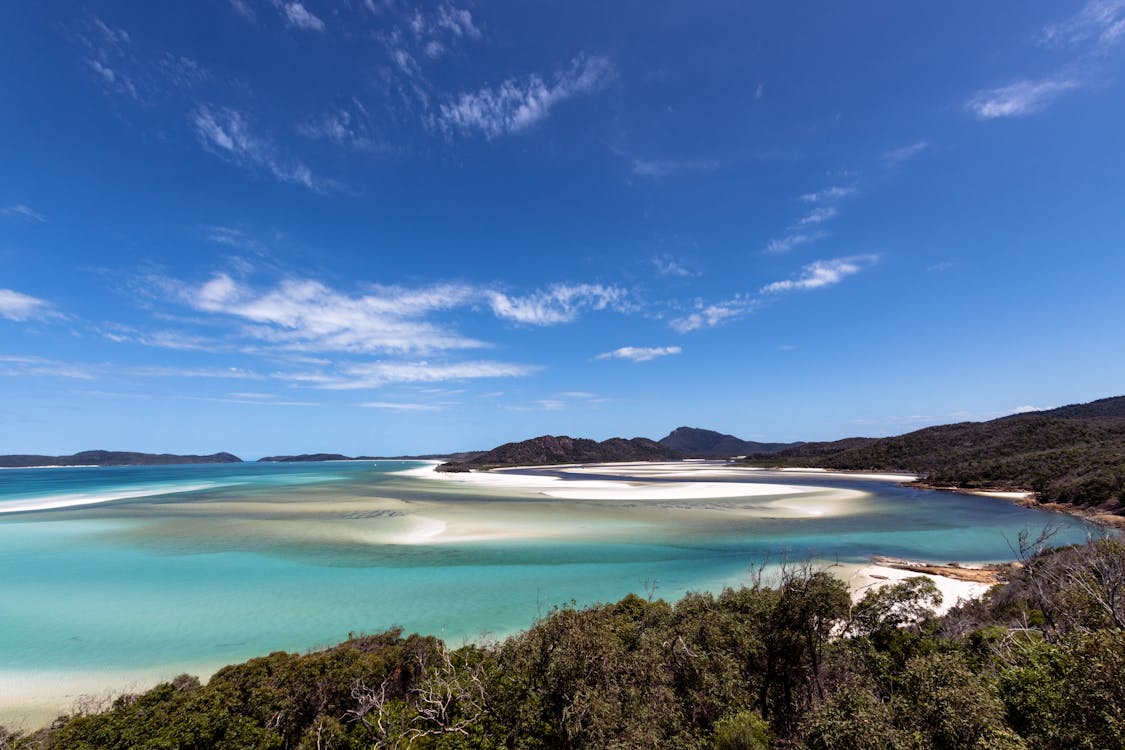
{"x": 114, "y": 458}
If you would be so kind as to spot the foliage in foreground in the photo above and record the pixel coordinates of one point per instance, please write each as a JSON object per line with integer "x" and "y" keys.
{"x": 1038, "y": 664}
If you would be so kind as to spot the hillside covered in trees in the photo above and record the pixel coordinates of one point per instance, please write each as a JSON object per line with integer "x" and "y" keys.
{"x": 114, "y": 458}
{"x": 1038, "y": 664}
{"x": 551, "y": 449}
{"x": 1073, "y": 455}
{"x": 694, "y": 442}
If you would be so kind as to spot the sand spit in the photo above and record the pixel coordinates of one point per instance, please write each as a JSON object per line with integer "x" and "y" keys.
{"x": 953, "y": 591}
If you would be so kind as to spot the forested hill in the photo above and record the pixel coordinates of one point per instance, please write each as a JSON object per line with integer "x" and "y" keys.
{"x": 551, "y": 449}
{"x": 115, "y": 458}
{"x": 697, "y": 443}
{"x": 1073, "y": 454}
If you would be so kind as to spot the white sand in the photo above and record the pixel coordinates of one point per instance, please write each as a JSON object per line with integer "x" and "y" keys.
{"x": 1003, "y": 495}
{"x": 52, "y": 502}
{"x": 32, "y": 699}
{"x": 864, "y": 577}
{"x": 604, "y": 489}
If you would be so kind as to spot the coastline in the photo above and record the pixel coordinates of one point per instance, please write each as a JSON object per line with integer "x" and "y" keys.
{"x": 1027, "y": 499}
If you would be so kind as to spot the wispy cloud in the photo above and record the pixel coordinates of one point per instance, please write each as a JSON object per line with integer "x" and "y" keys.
{"x": 818, "y": 215}
{"x": 400, "y": 406}
{"x": 121, "y": 66}
{"x": 208, "y": 373}
{"x": 297, "y": 16}
{"x": 708, "y": 316}
{"x": 1020, "y": 98}
{"x": 13, "y": 365}
{"x": 243, "y": 9}
{"x": 228, "y": 133}
{"x": 665, "y": 167}
{"x": 23, "y": 211}
{"x": 902, "y": 153}
{"x": 20, "y": 307}
{"x": 1101, "y": 22}
{"x": 370, "y": 375}
{"x": 307, "y": 315}
{"x": 822, "y": 273}
{"x": 805, "y": 230}
{"x": 829, "y": 194}
{"x": 446, "y": 19}
{"x": 666, "y": 265}
{"x": 795, "y": 239}
{"x": 1088, "y": 34}
{"x": 516, "y": 105}
{"x": 560, "y": 303}
{"x": 640, "y": 353}
{"x": 350, "y": 125}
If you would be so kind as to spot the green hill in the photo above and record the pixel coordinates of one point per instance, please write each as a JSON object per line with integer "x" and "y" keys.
{"x": 1074, "y": 454}
{"x": 551, "y": 449}
{"x": 698, "y": 443}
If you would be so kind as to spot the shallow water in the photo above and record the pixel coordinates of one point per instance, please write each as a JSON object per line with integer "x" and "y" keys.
{"x": 154, "y": 568}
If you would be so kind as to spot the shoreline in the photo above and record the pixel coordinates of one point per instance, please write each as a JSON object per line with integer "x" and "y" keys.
{"x": 1027, "y": 499}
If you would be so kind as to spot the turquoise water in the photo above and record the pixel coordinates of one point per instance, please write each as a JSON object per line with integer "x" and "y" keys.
{"x": 206, "y": 565}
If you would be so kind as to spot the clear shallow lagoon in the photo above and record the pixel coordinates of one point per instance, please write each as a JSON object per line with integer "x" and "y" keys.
{"x": 190, "y": 567}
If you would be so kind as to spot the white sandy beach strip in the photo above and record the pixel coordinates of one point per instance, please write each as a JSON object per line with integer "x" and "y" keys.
{"x": 865, "y": 577}
{"x": 603, "y": 489}
{"x": 72, "y": 500}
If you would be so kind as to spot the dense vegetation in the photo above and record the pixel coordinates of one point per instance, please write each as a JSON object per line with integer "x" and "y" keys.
{"x": 696, "y": 443}
{"x": 1039, "y": 664}
{"x": 549, "y": 449}
{"x": 115, "y": 458}
{"x": 1073, "y": 454}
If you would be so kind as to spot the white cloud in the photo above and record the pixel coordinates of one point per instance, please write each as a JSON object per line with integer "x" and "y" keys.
{"x": 306, "y": 315}
{"x": 830, "y": 194}
{"x": 1020, "y": 98}
{"x": 298, "y": 16}
{"x": 902, "y": 153}
{"x": 818, "y": 216}
{"x": 708, "y": 316}
{"x": 822, "y": 273}
{"x": 790, "y": 241}
{"x": 560, "y": 303}
{"x": 1026, "y": 409}
{"x": 227, "y": 133}
{"x": 457, "y": 21}
{"x": 399, "y": 406}
{"x": 378, "y": 374}
{"x": 345, "y": 126}
{"x": 162, "y": 371}
{"x": 516, "y": 105}
{"x": 640, "y": 353}
{"x": 664, "y": 167}
{"x": 243, "y": 9}
{"x": 20, "y": 307}
{"x": 666, "y": 265}
{"x": 13, "y": 365}
{"x": 1099, "y": 21}
{"x": 23, "y": 211}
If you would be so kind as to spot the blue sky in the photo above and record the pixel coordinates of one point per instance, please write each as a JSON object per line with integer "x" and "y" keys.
{"x": 375, "y": 227}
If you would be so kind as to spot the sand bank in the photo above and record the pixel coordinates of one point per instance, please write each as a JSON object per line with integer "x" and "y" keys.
{"x": 73, "y": 500}
{"x": 862, "y": 578}
{"x": 631, "y": 487}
